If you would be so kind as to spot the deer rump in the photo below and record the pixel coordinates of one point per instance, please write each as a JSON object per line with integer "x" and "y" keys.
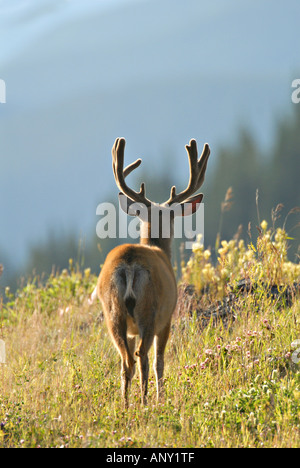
{"x": 132, "y": 282}
{"x": 140, "y": 291}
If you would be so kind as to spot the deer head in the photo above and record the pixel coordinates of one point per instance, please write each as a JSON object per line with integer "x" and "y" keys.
{"x": 157, "y": 220}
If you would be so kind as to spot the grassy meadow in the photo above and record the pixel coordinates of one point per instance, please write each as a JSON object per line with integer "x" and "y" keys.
{"x": 226, "y": 385}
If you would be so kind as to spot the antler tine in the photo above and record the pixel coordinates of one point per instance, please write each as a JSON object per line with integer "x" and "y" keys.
{"x": 197, "y": 173}
{"x": 131, "y": 167}
{"x": 120, "y": 173}
{"x": 201, "y": 165}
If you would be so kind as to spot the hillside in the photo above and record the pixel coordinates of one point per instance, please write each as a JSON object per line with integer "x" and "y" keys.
{"x": 231, "y": 383}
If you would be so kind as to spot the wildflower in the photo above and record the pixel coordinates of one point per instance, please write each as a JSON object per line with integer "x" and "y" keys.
{"x": 252, "y": 419}
{"x": 206, "y": 254}
{"x": 264, "y": 225}
{"x": 196, "y": 247}
{"x": 64, "y": 311}
{"x": 87, "y": 272}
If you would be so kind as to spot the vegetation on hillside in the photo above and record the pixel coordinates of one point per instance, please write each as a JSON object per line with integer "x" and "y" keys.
{"x": 226, "y": 385}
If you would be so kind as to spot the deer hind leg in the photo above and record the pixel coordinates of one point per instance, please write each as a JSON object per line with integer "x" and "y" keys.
{"x": 118, "y": 331}
{"x": 143, "y": 361}
{"x": 127, "y": 372}
{"x": 160, "y": 343}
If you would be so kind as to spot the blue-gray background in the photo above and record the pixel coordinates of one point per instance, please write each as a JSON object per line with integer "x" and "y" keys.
{"x": 79, "y": 73}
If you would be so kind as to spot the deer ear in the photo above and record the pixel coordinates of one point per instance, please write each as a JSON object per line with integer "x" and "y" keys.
{"x": 133, "y": 208}
{"x": 191, "y": 205}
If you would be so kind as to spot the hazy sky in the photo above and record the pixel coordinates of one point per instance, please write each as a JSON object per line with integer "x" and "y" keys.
{"x": 157, "y": 72}
{"x": 22, "y": 20}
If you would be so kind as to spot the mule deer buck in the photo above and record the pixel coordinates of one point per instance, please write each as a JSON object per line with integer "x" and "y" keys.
{"x": 137, "y": 285}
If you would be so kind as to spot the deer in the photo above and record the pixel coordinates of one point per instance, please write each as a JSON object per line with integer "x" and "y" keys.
{"x": 137, "y": 286}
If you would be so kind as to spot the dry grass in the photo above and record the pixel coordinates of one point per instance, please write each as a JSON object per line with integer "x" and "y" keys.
{"x": 237, "y": 386}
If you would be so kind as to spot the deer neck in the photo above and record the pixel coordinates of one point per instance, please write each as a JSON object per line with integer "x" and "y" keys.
{"x": 147, "y": 238}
